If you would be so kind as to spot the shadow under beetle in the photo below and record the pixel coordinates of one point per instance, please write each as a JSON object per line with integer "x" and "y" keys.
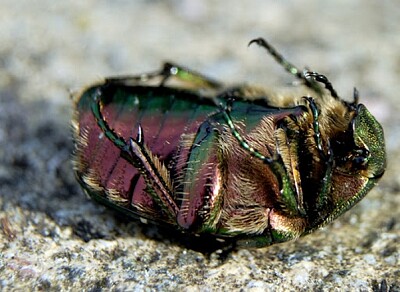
{"x": 259, "y": 167}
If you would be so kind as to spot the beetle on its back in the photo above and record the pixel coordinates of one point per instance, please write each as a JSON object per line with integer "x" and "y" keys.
{"x": 177, "y": 148}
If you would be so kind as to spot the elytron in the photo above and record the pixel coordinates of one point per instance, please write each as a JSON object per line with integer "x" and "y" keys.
{"x": 257, "y": 166}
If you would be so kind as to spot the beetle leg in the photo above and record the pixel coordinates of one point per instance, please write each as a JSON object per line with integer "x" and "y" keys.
{"x": 135, "y": 152}
{"x": 328, "y": 158}
{"x": 124, "y": 79}
{"x": 156, "y": 176}
{"x": 315, "y": 114}
{"x": 200, "y": 190}
{"x": 186, "y": 75}
{"x": 292, "y": 69}
{"x": 291, "y": 203}
{"x": 289, "y": 67}
{"x": 243, "y": 143}
{"x": 169, "y": 72}
{"x": 321, "y": 79}
{"x": 322, "y": 199}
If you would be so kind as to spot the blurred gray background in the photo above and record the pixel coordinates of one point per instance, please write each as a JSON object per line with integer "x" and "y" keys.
{"x": 53, "y": 238}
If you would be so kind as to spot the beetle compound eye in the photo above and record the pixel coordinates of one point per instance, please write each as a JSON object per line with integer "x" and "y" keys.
{"x": 359, "y": 161}
{"x": 360, "y": 158}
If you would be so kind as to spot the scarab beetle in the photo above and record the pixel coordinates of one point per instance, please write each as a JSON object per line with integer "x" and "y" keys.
{"x": 177, "y": 148}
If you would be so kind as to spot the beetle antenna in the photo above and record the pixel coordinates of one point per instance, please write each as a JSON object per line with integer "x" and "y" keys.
{"x": 356, "y": 96}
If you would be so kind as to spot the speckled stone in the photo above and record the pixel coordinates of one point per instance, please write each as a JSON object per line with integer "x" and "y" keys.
{"x": 53, "y": 238}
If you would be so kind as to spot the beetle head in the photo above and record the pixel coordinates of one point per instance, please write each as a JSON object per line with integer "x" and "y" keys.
{"x": 368, "y": 137}
{"x": 367, "y": 156}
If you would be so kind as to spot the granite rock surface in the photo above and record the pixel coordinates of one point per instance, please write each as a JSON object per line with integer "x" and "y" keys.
{"x": 53, "y": 238}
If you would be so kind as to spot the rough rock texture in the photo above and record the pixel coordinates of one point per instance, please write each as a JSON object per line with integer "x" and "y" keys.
{"x": 53, "y": 238}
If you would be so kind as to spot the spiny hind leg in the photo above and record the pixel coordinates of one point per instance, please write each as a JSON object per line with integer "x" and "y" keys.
{"x": 134, "y": 151}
